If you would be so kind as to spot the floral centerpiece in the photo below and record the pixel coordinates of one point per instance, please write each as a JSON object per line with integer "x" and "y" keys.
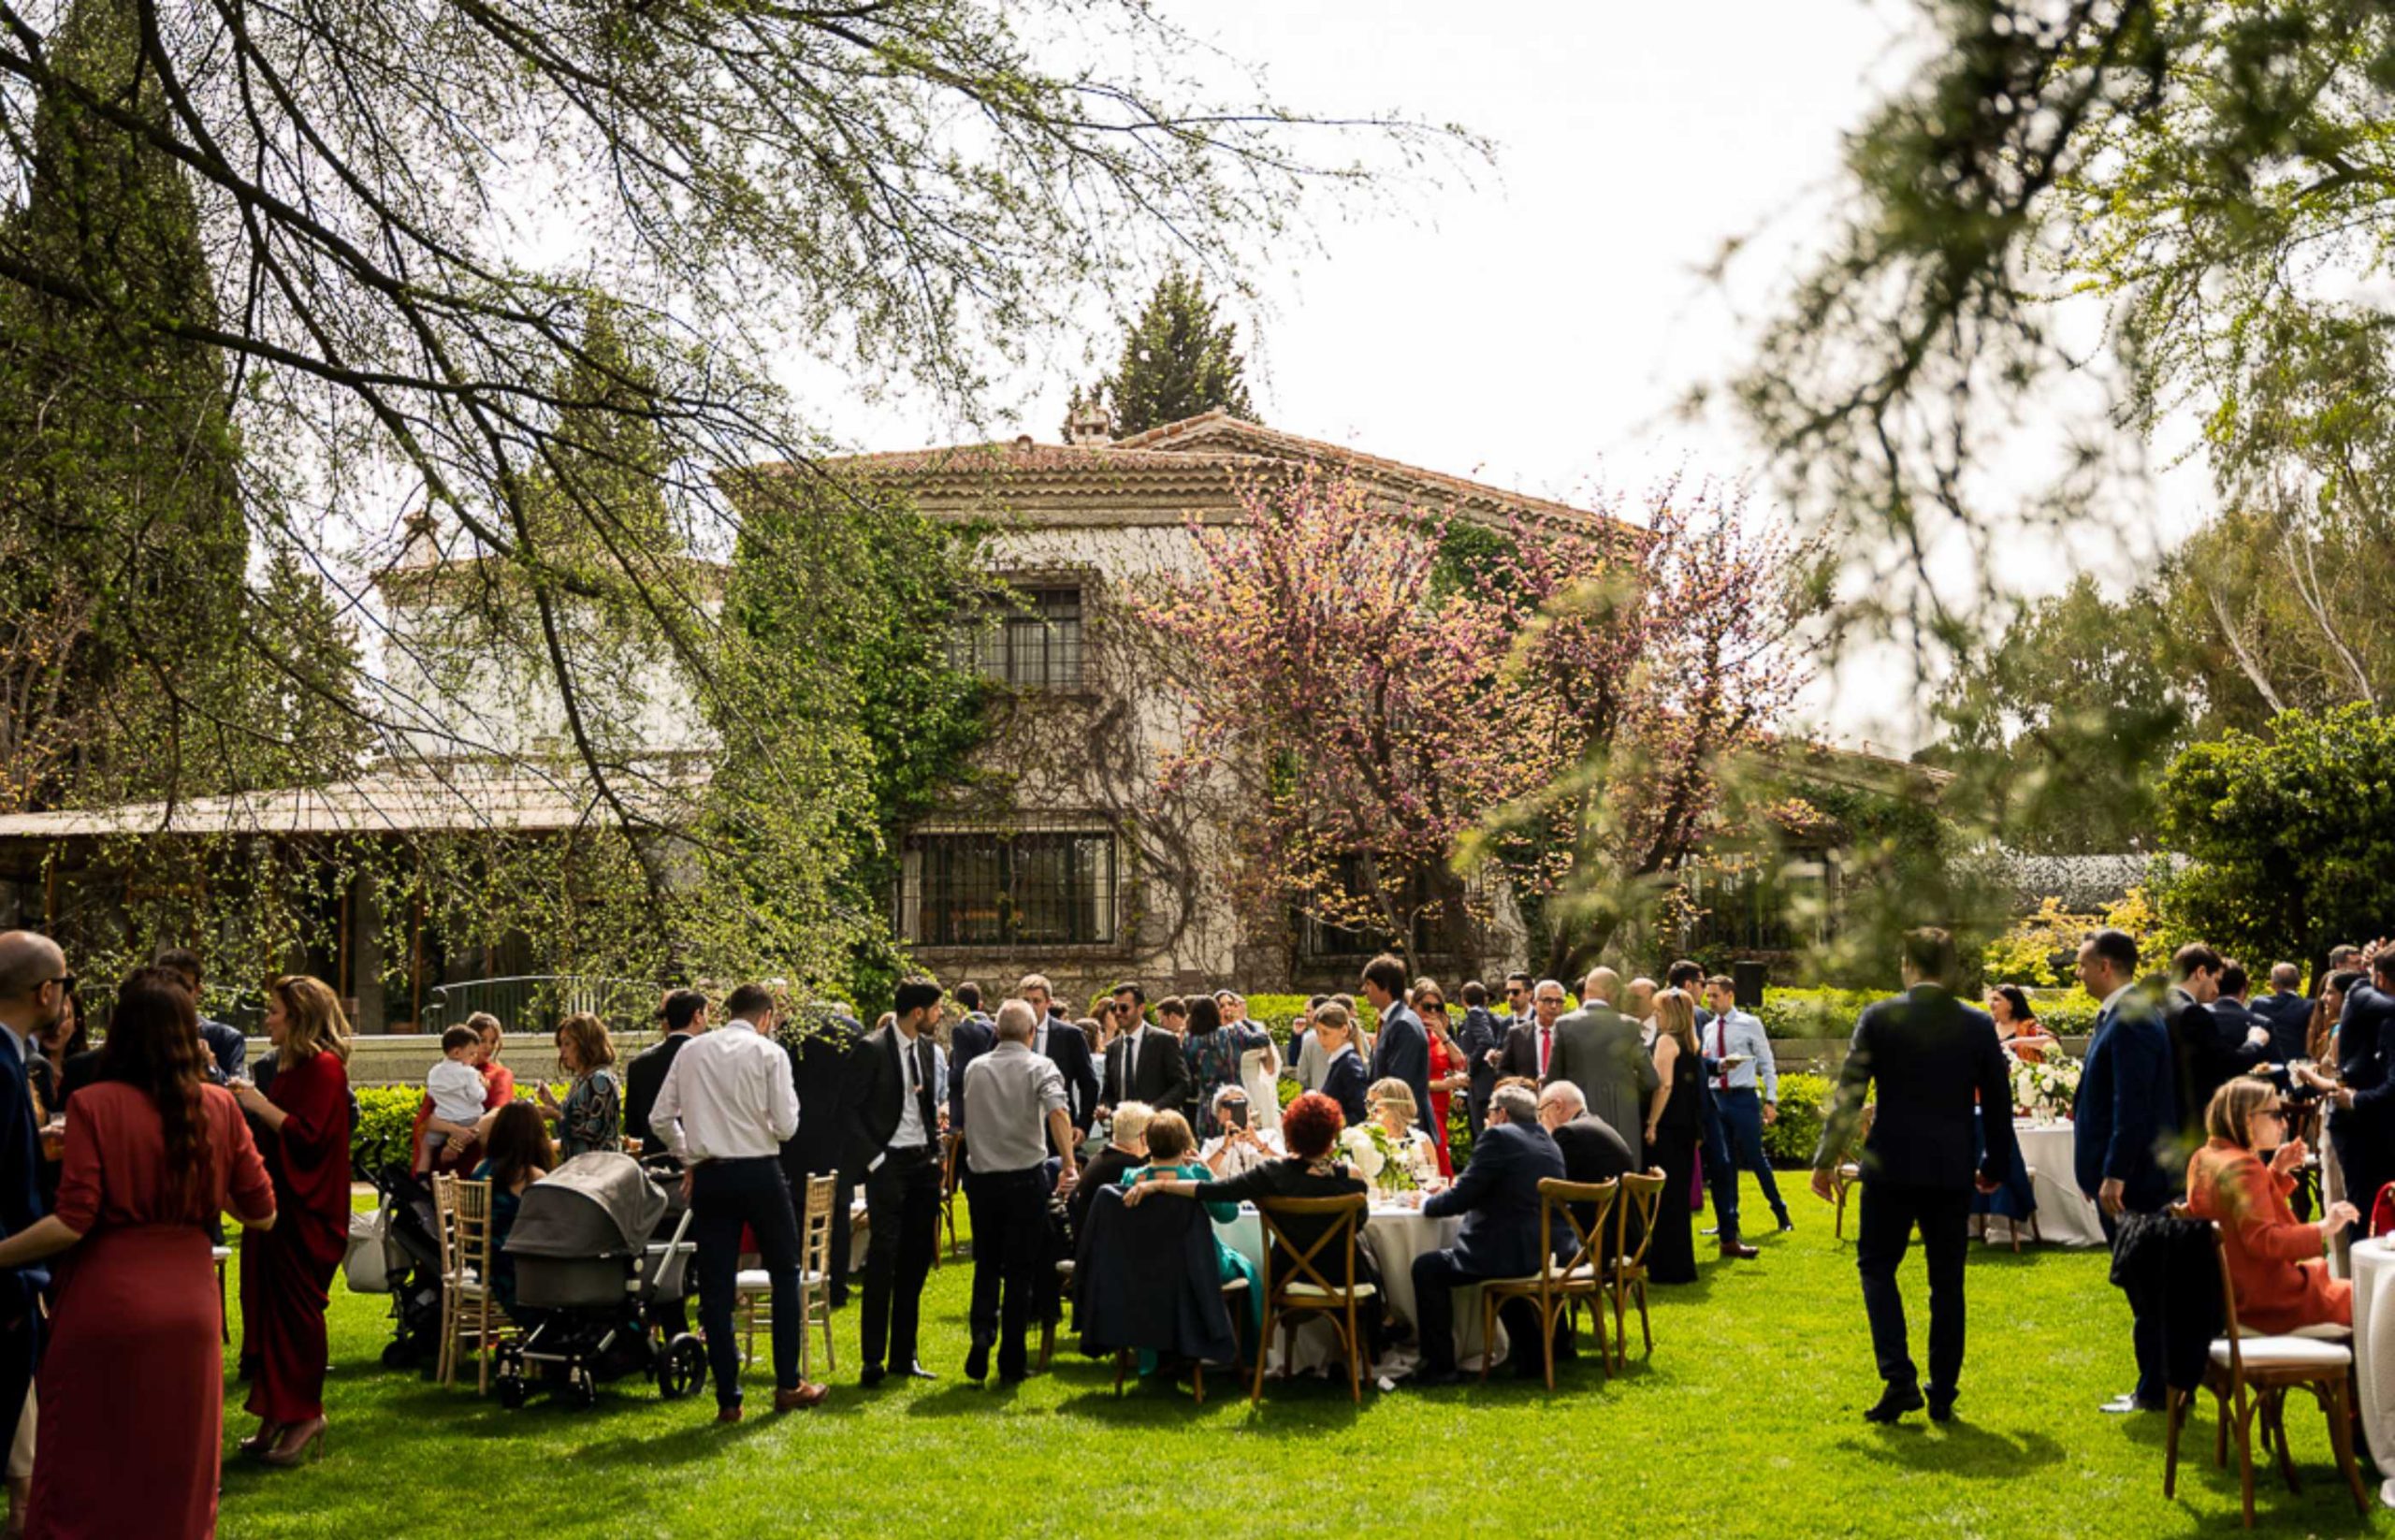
{"x": 1378, "y": 1157}
{"x": 2046, "y": 1091}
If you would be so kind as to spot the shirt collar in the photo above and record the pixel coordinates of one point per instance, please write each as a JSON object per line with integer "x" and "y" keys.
{"x": 2114, "y": 998}
{"x": 738, "y": 1023}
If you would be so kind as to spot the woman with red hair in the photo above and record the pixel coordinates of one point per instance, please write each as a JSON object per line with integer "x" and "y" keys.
{"x": 1310, "y": 1127}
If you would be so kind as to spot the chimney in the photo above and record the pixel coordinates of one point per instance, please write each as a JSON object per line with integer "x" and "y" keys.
{"x": 419, "y": 541}
{"x": 1092, "y": 423}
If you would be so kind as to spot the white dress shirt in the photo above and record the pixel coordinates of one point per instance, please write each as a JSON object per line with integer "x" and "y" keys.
{"x": 727, "y": 1097}
{"x": 909, "y": 1133}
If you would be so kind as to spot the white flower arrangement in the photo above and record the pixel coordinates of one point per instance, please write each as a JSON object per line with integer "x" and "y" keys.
{"x": 1367, "y": 1155}
{"x": 2046, "y": 1091}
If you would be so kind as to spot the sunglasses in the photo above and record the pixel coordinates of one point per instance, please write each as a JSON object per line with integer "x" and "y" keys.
{"x": 65, "y": 983}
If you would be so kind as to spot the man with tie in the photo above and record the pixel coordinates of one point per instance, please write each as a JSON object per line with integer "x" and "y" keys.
{"x": 1735, "y": 1034}
{"x": 897, "y": 1082}
{"x": 724, "y": 1111}
{"x": 1930, "y": 1055}
{"x": 1597, "y": 1049}
{"x": 685, "y": 1015}
{"x": 1531, "y": 1042}
{"x": 1145, "y": 1063}
{"x": 2127, "y": 1109}
{"x": 1402, "y": 1051}
{"x": 33, "y": 985}
{"x": 1066, "y": 1047}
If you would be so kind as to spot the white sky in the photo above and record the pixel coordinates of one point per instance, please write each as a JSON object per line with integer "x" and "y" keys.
{"x": 1534, "y": 329}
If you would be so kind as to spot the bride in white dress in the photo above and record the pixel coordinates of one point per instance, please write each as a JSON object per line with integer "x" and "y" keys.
{"x": 1392, "y": 1151}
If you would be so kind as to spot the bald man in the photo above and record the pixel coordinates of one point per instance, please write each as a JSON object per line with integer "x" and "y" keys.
{"x": 33, "y": 982}
{"x": 1597, "y": 1049}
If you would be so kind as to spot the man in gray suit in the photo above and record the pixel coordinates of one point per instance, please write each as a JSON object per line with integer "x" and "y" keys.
{"x": 1597, "y": 1048}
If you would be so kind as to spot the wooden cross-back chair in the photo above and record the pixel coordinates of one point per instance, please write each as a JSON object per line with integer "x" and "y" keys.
{"x": 1562, "y": 1281}
{"x": 1641, "y": 1195}
{"x": 1307, "y": 1288}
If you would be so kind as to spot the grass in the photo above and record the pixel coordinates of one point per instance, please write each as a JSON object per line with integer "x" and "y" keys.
{"x": 1745, "y": 1422}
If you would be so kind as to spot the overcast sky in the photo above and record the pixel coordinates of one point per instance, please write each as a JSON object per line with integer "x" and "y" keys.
{"x": 1534, "y": 329}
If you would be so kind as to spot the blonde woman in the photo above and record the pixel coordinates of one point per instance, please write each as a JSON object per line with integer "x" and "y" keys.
{"x": 288, "y": 1272}
{"x": 1672, "y": 1116}
{"x": 1397, "y": 1120}
{"x": 591, "y": 1117}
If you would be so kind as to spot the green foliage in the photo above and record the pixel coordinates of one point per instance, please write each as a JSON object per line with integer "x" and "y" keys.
{"x": 2290, "y": 839}
{"x": 386, "y": 1114}
{"x": 1831, "y": 1013}
{"x": 1178, "y": 361}
{"x": 1804, "y": 1105}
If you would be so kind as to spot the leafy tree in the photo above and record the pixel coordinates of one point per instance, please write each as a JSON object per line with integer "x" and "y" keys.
{"x": 2290, "y": 839}
{"x": 301, "y": 676}
{"x": 1178, "y": 361}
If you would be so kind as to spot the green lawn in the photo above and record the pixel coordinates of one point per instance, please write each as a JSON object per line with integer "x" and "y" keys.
{"x": 1746, "y": 1421}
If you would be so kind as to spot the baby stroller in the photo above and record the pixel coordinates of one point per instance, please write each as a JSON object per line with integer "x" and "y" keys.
{"x": 395, "y": 1249}
{"x": 597, "y": 1247}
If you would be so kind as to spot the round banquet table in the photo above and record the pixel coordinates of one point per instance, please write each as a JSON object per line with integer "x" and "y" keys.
{"x": 2374, "y": 1273}
{"x": 1395, "y": 1237}
{"x": 2065, "y": 1215}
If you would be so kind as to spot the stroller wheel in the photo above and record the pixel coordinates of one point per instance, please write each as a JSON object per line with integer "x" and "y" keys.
{"x": 398, "y": 1353}
{"x": 513, "y": 1391}
{"x": 682, "y": 1370}
{"x": 583, "y": 1386}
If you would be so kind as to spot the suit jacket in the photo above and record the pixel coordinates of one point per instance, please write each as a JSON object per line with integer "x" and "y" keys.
{"x": 21, "y": 1202}
{"x": 1519, "y": 1054}
{"x": 2128, "y": 1105}
{"x": 1497, "y": 1196}
{"x": 1069, "y": 1051}
{"x": 973, "y": 1037}
{"x": 227, "y": 1046}
{"x": 642, "y": 1079}
{"x": 1597, "y": 1048}
{"x": 1931, "y": 1055}
{"x": 1593, "y": 1151}
{"x": 2291, "y": 1020}
{"x": 821, "y": 1060}
{"x": 875, "y": 1082}
{"x": 1161, "y": 1078}
{"x": 2208, "y": 1050}
{"x": 1480, "y": 1034}
{"x": 2365, "y": 1045}
{"x": 1402, "y": 1052}
{"x": 1344, "y": 1080}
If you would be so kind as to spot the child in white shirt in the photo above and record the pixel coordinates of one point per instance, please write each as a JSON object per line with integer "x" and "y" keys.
{"x": 456, "y": 1086}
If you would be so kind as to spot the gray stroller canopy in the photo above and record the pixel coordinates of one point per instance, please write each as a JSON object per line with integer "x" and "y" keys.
{"x": 599, "y": 1204}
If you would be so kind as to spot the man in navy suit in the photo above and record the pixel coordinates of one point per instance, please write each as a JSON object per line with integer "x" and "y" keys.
{"x": 1066, "y": 1047}
{"x": 2125, "y": 1116}
{"x": 1497, "y": 1196}
{"x": 33, "y": 983}
{"x": 2288, "y": 1010}
{"x": 1933, "y": 1058}
{"x": 2363, "y": 1123}
{"x": 971, "y": 1038}
{"x": 1403, "y": 1049}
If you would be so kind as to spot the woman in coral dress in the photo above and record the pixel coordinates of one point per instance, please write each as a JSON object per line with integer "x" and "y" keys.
{"x": 2276, "y": 1262}
{"x": 307, "y": 1151}
{"x": 132, "y": 1388}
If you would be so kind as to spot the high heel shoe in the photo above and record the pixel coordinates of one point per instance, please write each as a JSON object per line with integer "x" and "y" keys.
{"x": 267, "y": 1437}
{"x": 287, "y": 1454}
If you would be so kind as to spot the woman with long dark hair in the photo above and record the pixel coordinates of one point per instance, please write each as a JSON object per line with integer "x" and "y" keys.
{"x": 132, "y": 1387}
{"x": 519, "y": 1154}
{"x": 306, "y": 1146}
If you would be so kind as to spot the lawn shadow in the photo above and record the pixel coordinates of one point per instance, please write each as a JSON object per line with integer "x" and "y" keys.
{"x": 1961, "y": 1448}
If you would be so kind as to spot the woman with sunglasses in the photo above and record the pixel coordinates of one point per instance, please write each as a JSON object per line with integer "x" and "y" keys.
{"x": 2275, "y": 1260}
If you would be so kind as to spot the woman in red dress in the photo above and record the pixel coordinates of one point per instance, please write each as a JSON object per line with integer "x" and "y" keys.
{"x": 307, "y": 1152}
{"x": 464, "y": 1150}
{"x": 1447, "y": 1070}
{"x": 132, "y": 1388}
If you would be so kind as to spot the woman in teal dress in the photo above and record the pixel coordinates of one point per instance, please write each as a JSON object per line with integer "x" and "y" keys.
{"x": 1173, "y": 1152}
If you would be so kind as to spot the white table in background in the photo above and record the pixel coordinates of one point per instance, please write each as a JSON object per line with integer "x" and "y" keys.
{"x": 2374, "y": 1270}
{"x": 1394, "y": 1237}
{"x": 2065, "y": 1215}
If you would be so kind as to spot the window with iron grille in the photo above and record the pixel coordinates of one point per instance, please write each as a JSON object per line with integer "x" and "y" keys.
{"x": 1032, "y": 644}
{"x": 979, "y": 890}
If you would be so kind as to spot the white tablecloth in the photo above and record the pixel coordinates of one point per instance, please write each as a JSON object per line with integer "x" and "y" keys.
{"x": 2065, "y": 1215}
{"x": 2373, "y": 1266}
{"x": 1395, "y": 1237}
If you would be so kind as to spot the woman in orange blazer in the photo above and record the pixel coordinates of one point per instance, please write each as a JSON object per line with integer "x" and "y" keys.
{"x": 2275, "y": 1260}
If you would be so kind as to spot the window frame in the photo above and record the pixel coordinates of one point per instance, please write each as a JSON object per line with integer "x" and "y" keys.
{"x": 1088, "y": 886}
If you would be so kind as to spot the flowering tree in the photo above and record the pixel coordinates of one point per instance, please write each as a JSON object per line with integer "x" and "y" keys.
{"x": 1409, "y": 700}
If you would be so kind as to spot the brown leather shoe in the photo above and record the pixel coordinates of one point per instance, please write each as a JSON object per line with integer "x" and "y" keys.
{"x": 1734, "y": 1250}
{"x": 728, "y": 1414}
{"x": 799, "y": 1397}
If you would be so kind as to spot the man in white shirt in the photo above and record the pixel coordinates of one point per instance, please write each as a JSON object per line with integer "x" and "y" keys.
{"x": 1019, "y": 1109}
{"x": 1746, "y": 1095}
{"x": 727, "y": 1105}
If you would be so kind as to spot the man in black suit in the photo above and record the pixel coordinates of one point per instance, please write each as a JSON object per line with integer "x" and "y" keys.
{"x": 2208, "y": 1049}
{"x": 1401, "y": 1049}
{"x": 34, "y": 984}
{"x": 1066, "y": 1047}
{"x": 2288, "y": 1010}
{"x": 973, "y": 1036}
{"x": 821, "y": 1052}
{"x": 685, "y": 1015}
{"x": 227, "y": 1047}
{"x": 897, "y": 1082}
{"x": 2363, "y": 1124}
{"x": 1529, "y": 1042}
{"x": 1144, "y": 1063}
{"x": 1593, "y": 1151}
{"x": 1929, "y": 1054}
{"x": 1498, "y": 1196}
{"x": 1482, "y": 1041}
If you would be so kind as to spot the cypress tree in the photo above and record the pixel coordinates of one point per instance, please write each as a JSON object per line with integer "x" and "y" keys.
{"x": 1179, "y": 359}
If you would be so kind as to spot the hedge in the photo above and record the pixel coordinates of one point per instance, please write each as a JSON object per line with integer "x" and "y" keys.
{"x": 388, "y": 1112}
